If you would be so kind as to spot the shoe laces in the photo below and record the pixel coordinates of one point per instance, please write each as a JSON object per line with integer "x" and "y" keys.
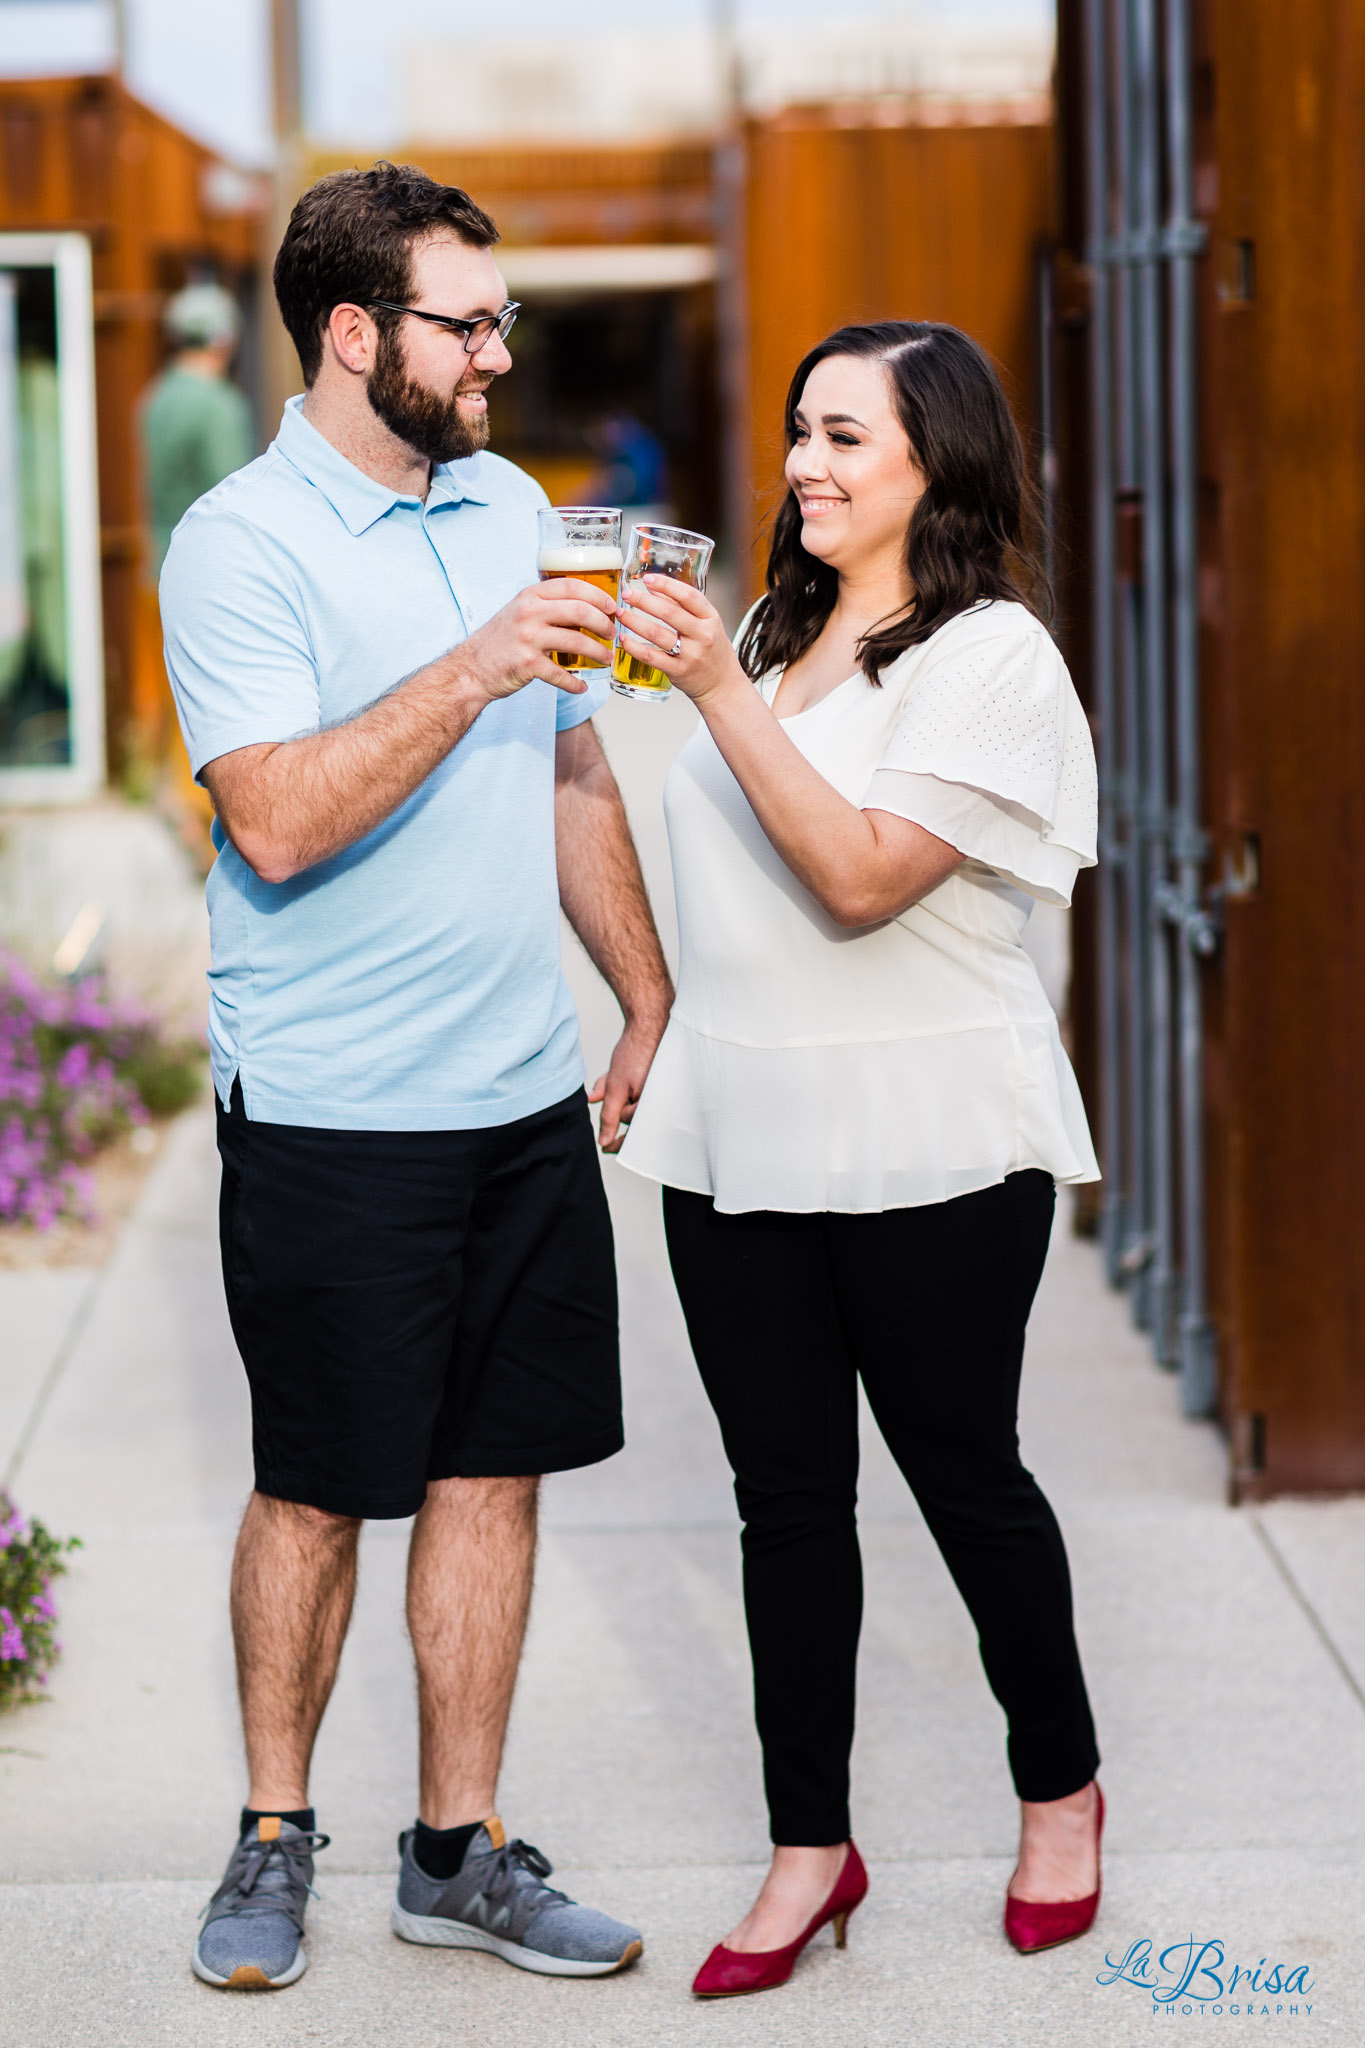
{"x": 518, "y": 1867}
{"x": 271, "y": 1875}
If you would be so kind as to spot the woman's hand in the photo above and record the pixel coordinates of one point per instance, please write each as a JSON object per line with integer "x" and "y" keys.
{"x": 659, "y": 614}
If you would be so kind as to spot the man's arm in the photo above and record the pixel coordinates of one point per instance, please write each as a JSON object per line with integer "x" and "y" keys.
{"x": 288, "y": 804}
{"x": 603, "y": 894}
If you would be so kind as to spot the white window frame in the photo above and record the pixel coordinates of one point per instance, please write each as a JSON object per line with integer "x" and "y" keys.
{"x": 84, "y": 773}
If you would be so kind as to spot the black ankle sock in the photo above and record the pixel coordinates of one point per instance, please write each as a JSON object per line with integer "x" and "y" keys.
{"x": 301, "y": 1817}
{"x": 441, "y": 1851}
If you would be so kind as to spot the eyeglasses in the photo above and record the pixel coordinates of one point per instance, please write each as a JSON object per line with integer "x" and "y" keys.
{"x": 477, "y": 333}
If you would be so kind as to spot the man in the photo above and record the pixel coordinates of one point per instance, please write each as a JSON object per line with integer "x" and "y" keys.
{"x": 415, "y": 1241}
{"x": 196, "y": 424}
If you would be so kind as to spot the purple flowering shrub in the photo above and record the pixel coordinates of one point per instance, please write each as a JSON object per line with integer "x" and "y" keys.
{"x": 77, "y": 1067}
{"x": 30, "y": 1559}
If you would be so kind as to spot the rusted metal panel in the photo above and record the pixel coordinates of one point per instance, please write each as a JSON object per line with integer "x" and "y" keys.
{"x": 868, "y": 223}
{"x": 1283, "y": 171}
{"x": 83, "y": 154}
{"x": 1279, "y": 184}
{"x": 612, "y": 194}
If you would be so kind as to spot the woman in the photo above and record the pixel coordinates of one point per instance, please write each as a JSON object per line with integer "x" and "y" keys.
{"x": 861, "y": 1104}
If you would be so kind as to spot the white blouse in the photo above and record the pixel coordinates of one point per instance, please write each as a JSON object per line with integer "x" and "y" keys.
{"x": 809, "y": 1067}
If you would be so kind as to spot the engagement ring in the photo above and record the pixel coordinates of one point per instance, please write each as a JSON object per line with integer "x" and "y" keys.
{"x": 676, "y": 649}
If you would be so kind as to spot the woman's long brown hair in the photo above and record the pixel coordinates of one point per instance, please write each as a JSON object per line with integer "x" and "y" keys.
{"x": 969, "y": 536}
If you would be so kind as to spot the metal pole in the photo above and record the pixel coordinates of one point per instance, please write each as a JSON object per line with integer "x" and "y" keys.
{"x": 1102, "y": 625}
{"x": 732, "y": 325}
{"x": 1135, "y": 1251}
{"x": 1155, "y": 807}
{"x": 726, "y": 44}
{"x": 1047, "y": 425}
{"x": 279, "y": 367}
{"x": 287, "y": 80}
{"x": 1183, "y": 238}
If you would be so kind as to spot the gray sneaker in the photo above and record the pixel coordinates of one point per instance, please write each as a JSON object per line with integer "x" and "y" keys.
{"x": 251, "y": 1937}
{"x": 499, "y": 1901}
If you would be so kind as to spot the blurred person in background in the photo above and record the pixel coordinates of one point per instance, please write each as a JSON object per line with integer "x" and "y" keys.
{"x": 861, "y": 1106}
{"x": 416, "y": 1247}
{"x": 195, "y": 422}
{"x": 634, "y": 470}
{"x": 195, "y": 428}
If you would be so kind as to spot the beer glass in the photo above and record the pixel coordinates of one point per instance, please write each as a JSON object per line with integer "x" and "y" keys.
{"x": 583, "y": 541}
{"x": 658, "y": 551}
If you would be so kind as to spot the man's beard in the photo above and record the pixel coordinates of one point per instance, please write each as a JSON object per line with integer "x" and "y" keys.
{"x": 432, "y": 424}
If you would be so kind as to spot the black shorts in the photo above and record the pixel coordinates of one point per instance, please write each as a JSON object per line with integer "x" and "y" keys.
{"x": 413, "y": 1305}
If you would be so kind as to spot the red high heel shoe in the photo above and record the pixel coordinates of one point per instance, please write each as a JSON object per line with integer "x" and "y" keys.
{"x": 726, "y": 1972}
{"x": 1032, "y": 1924}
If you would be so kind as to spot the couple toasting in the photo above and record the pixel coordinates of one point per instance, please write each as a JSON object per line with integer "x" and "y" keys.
{"x": 857, "y": 1109}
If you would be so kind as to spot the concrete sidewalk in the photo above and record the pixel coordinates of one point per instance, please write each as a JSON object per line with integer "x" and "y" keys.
{"x": 1226, "y": 1653}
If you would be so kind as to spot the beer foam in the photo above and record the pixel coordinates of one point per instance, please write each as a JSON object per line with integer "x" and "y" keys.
{"x": 597, "y": 558}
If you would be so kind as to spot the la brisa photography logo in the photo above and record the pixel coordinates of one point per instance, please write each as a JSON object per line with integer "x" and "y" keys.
{"x": 1196, "y": 1978}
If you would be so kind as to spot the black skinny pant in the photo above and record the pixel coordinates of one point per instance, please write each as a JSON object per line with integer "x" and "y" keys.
{"x": 927, "y": 1306}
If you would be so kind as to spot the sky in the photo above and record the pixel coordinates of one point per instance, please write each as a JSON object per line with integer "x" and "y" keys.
{"x": 206, "y": 63}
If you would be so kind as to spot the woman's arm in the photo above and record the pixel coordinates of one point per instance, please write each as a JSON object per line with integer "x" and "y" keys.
{"x": 862, "y": 867}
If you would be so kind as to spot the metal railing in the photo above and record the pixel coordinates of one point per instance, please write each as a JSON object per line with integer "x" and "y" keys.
{"x": 1154, "y": 927}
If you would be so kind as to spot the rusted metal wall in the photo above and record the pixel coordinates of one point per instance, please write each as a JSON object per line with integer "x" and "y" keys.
{"x": 1279, "y": 189}
{"x": 861, "y": 222}
{"x": 654, "y": 193}
{"x": 1280, "y": 168}
{"x": 84, "y": 155}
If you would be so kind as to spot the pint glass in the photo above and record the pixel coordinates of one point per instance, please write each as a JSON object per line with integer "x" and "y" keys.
{"x": 583, "y": 541}
{"x": 658, "y": 551}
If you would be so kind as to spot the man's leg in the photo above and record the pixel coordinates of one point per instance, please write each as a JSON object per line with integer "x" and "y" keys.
{"x": 470, "y": 1568}
{"x": 293, "y": 1582}
{"x": 534, "y": 1386}
{"x": 342, "y": 1264}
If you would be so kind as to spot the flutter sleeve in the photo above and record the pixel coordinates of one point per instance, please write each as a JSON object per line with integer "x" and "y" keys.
{"x": 992, "y": 753}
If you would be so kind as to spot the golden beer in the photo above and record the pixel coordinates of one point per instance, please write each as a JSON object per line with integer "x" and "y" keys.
{"x": 636, "y": 675}
{"x": 582, "y": 542}
{"x": 658, "y": 551}
{"x": 598, "y": 565}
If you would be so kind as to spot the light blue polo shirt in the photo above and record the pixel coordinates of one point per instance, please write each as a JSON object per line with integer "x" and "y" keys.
{"x": 412, "y": 982}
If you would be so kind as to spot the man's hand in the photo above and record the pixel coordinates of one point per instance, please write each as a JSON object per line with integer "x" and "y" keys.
{"x": 618, "y": 1090}
{"x": 514, "y": 646}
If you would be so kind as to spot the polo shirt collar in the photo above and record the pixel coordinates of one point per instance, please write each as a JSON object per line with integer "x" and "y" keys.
{"x": 452, "y": 483}
{"x": 360, "y": 500}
